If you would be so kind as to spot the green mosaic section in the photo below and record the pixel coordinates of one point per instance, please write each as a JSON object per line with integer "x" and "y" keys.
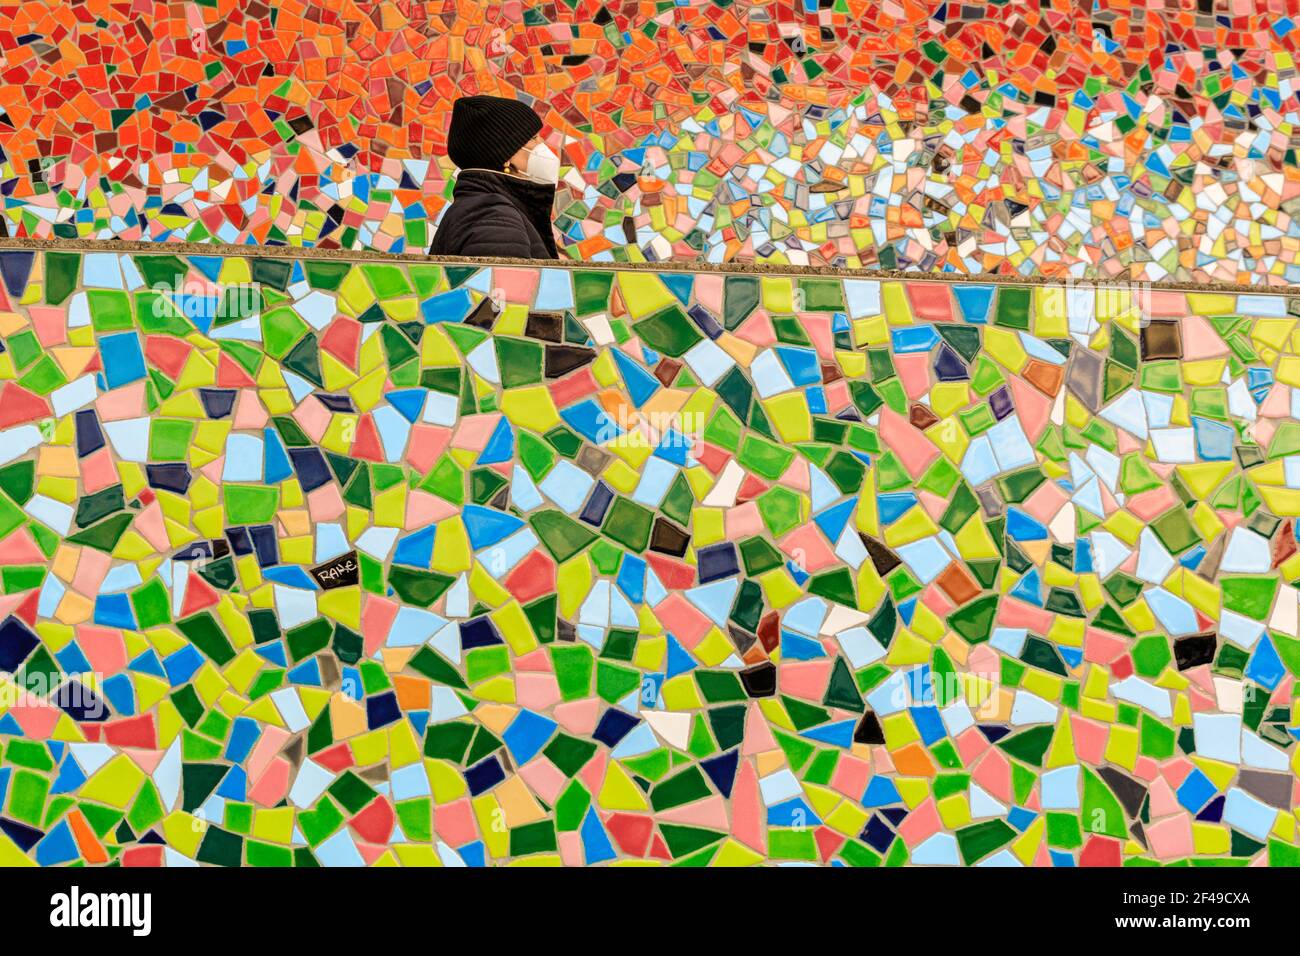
{"x": 307, "y": 561}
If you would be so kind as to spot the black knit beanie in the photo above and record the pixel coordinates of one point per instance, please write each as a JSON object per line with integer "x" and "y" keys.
{"x": 487, "y": 130}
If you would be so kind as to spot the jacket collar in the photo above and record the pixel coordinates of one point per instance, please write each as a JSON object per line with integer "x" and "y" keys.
{"x": 535, "y": 200}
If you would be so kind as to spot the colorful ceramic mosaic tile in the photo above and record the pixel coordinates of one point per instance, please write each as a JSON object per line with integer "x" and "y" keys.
{"x": 1144, "y": 140}
{"x": 316, "y": 561}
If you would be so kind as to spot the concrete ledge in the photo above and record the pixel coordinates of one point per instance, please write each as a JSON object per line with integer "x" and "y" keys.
{"x": 365, "y": 255}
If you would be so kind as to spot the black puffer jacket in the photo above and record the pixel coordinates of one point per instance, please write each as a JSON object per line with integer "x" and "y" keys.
{"x": 496, "y": 214}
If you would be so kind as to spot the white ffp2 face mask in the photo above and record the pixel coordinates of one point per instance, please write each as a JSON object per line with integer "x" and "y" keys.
{"x": 543, "y": 165}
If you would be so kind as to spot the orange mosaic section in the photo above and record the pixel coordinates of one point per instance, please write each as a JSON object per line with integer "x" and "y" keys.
{"x": 998, "y": 137}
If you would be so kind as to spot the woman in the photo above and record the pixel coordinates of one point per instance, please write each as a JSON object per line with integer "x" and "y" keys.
{"x": 505, "y": 189}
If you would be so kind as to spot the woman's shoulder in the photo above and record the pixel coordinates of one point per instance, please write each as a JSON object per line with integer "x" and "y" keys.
{"x": 481, "y": 225}
{"x": 483, "y": 203}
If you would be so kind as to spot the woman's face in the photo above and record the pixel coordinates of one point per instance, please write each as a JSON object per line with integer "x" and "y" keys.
{"x": 519, "y": 160}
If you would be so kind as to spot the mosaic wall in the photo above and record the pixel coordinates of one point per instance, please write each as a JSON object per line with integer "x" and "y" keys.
{"x": 1141, "y": 138}
{"x": 307, "y": 561}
